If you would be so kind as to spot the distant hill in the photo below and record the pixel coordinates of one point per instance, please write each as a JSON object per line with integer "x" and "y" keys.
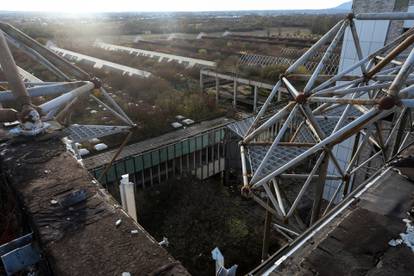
{"x": 345, "y": 7}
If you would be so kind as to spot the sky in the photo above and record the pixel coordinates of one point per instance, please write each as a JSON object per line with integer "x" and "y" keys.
{"x": 86, "y": 6}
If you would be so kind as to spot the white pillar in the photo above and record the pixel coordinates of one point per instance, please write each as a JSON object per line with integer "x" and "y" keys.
{"x": 201, "y": 82}
{"x": 235, "y": 93}
{"x": 127, "y": 191}
{"x": 217, "y": 89}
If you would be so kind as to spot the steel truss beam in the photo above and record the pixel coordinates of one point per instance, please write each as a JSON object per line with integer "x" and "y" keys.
{"x": 73, "y": 84}
{"x": 326, "y": 114}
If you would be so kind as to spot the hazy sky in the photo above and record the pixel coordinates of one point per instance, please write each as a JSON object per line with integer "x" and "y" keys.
{"x": 82, "y": 6}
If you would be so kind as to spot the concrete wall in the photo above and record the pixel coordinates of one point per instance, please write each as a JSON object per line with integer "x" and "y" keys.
{"x": 395, "y": 27}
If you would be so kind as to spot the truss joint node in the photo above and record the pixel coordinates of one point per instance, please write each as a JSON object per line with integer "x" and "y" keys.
{"x": 301, "y": 98}
{"x": 350, "y": 16}
{"x": 387, "y": 102}
{"x": 346, "y": 177}
{"x": 246, "y": 191}
{"x": 97, "y": 82}
{"x": 366, "y": 77}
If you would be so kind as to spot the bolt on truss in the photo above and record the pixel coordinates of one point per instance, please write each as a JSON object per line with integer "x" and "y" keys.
{"x": 367, "y": 105}
{"x": 73, "y": 83}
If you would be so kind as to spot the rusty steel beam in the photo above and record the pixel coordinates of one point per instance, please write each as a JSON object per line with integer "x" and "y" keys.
{"x": 391, "y": 56}
{"x": 12, "y": 74}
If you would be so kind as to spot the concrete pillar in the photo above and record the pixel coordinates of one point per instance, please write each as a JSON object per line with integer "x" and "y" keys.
{"x": 143, "y": 178}
{"x": 127, "y": 191}
{"x": 173, "y": 166}
{"x": 159, "y": 173}
{"x": 213, "y": 160}
{"x": 235, "y": 94}
{"x": 255, "y": 99}
{"x": 151, "y": 177}
{"x": 194, "y": 161}
{"x": 181, "y": 165}
{"x": 201, "y": 163}
{"x": 218, "y": 157}
{"x": 201, "y": 82}
{"x": 207, "y": 163}
{"x": 217, "y": 90}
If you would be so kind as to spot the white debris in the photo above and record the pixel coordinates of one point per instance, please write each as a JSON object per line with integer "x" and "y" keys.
{"x": 118, "y": 222}
{"x": 188, "y": 121}
{"x": 395, "y": 242}
{"x": 94, "y": 141}
{"x": 54, "y": 202}
{"x": 126, "y": 274}
{"x": 100, "y": 146}
{"x": 10, "y": 124}
{"x": 176, "y": 125}
{"x": 164, "y": 242}
{"x": 83, "y": 152}
{"x": 133, "y": 232}
{"x": 180, "y": 117}
{"x": 407, "y": 238}
{"x": 93, "y": 111}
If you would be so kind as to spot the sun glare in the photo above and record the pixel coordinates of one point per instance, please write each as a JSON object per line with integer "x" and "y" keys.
{"x": 84, "y": 6}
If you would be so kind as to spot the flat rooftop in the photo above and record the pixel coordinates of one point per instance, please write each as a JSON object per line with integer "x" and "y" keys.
{"x": 74, "y": 218}
{"x": 172, "y": 137}
{"x": 354, "y": 238}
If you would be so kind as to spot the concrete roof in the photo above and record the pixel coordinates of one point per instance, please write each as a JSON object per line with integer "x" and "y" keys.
{"x": 156, "y": 142}
{"x": 353, "y": 239}
{"x": 77, "y": 235}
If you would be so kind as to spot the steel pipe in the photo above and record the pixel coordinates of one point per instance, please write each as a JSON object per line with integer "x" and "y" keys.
{"x": 66, "y": 98}
{"x": 325, "y": 57}
{"x": 262, "y": 110}
{"x": 391, "y": 55}
{"x": 274, "y": 144}
{"x": 365, "y": 60}
{"x": 300, "y": 61}
{"x": 49, "y": 55}
{"x": 244, "y": 166}
{"x": 39, "y": 58}
{"x": 279, "y": 197}
{"x": 292, "y": 90}
{"x": 402, "y": 75}
{"x": 43, "y": 90}
{"x": 386, "y": 16}
{"x": 343, "y": 133}
{"x": 342, "y": 101}
{"x": 353, "y": 90}
{"x": 357, "y": 44}
{"x": 12, "y": 74}
{"x": 305, "y": 186}
{"x": 271, "y": 121}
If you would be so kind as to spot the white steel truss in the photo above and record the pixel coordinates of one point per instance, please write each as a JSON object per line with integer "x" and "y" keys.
{"x": 73, "y": 83}
{"x": 371, "y": 107}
